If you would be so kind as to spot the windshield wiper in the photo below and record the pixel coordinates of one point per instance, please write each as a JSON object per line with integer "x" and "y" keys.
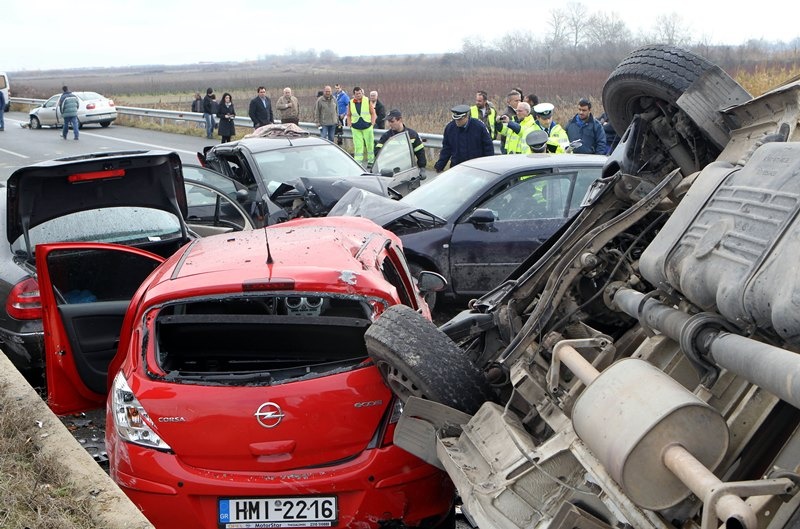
{"x": 232, "y": 378}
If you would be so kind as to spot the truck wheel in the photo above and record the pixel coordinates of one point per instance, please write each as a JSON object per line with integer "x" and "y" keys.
{"x": 416, "y": 359}
{"x": 661, "y": 72}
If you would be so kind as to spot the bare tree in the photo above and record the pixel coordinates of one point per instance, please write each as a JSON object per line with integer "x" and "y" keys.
{"x": 576, "y": 15}
{"x": 671, "y": 29}
{"x": 554, "y": 40}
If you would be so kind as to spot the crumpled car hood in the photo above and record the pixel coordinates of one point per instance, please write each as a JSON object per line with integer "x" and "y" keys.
{"x": 381, "y": 210}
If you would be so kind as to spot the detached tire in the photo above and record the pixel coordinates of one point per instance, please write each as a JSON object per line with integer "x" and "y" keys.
{"x": 416, "y": 359}
{"x": 661, "y": 72}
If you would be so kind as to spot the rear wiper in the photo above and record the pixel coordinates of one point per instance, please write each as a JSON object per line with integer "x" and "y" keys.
{"x": 235, "y": 379}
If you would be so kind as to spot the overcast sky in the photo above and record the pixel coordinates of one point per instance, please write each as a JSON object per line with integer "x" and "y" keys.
{"x": 61, "y": 34}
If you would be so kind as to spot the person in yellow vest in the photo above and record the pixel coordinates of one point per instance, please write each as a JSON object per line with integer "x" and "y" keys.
{"x": 557, "y": 136}
{"x": 361, "y": 120}
{"x": 484, "y": 111}
{"x": 515, "y": 133}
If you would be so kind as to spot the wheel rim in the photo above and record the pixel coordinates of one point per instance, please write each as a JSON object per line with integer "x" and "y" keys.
{"x": 400, "y": 384}
{"x": 34, "y": 123}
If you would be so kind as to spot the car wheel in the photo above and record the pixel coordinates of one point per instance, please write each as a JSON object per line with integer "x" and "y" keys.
{"x": 660, "y": 72}
{"x": 416, "y": 359}
{"x": 105, "y": 124}
{"x": 35, "y": 123}
{"x": 429, "y": 297}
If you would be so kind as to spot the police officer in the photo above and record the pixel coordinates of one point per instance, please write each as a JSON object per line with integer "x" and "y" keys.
{"x": 464, "y": 138}
{"x": 558, "y": 139}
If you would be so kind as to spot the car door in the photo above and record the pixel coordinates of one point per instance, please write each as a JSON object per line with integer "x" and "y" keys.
{"x": 396, "y": 160}
{"x": 85, "y": 291}
{"x": 501, "y": 230}
{"x": 49, "y": 114}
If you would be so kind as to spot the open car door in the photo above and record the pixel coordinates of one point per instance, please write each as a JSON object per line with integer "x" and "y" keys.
{"x": 85, "y": 291}
{"x": 397, "y": 161}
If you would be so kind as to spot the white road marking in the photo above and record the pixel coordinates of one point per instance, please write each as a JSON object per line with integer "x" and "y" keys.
{"x": 154, "y": 146}
{"x": 14, "y": 153}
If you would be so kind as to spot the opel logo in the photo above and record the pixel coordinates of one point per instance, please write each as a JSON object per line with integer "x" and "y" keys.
{"x": 269, "y": 415}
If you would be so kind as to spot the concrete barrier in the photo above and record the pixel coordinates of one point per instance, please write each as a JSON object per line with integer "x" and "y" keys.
{"x": 108, "y": 503}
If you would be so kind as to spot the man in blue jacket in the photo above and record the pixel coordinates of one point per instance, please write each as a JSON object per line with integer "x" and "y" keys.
{"x": 342, "y": 102}
{"x": 586, "y": 128}
{"x": 464, "y": 138}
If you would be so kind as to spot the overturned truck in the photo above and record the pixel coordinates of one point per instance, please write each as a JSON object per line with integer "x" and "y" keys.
{"x": 642, "y": 368}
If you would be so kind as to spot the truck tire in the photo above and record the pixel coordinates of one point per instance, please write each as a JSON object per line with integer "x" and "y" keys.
{"x": 656, "y": 71}
{"x": 416, "y": 359}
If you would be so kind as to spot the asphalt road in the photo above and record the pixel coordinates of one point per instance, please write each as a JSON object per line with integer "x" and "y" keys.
{"x": 20, "y": 146}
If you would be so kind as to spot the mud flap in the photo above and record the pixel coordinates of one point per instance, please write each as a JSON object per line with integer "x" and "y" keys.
{"x": 418, "y": 428}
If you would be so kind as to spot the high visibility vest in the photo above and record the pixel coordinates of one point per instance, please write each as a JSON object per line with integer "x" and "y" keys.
{"x": 364, "y": 114}
{"x": 491, "y": 117}
{"x": 558, "y": 141}
{"x": 515, "y": 142}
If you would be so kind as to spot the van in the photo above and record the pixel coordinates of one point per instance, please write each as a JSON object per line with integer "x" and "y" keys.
{"x": 4, "y": 89}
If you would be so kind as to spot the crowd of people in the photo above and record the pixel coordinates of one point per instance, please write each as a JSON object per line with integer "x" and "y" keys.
{"x": 469, "y": 135}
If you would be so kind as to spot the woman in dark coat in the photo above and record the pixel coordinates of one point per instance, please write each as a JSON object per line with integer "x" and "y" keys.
{"x": 226, "y": 113}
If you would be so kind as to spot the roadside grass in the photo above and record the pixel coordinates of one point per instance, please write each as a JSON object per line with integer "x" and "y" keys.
{"x": 34, "y": 493}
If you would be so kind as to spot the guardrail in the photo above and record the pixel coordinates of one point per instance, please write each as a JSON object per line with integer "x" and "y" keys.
{"x": 431, "y": 141}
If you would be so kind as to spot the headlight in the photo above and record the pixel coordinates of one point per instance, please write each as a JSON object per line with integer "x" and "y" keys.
{"x": 131, "y": 419}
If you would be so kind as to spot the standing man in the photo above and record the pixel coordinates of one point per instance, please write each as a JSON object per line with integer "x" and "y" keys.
{"x": 260, "y": 110}
{"x": 68, "y": 104}
{"x": 288, "y": 107}
{"x": 558, "y": 140}
{"x": 512, "y": 100}
{"x": 361, "y": 120}
{"x": 342, "y": 101}
{"x": 587, "y": 129}
{"x": 2, "y": 111}
{"x": 380, "y": 110}
{"x": 464, "y": 138}
{"x": 484, "y": 111}
{"x": 326, "y": 114}
{"x": 516, "y": 131}
{"x": 209, "y": 113}
{"x": 396, "y": 126}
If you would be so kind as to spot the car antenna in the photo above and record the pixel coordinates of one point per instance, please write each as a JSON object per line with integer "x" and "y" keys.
{"x": 269, "y": 253}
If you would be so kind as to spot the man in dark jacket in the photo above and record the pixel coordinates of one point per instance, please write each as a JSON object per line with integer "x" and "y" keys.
{"x": 260, "y": 110}
{"x": 587, "y": 129}
{"x": 464, "y": 138}
{"x": 396, "y": 126}
{"x": 209, "y": 113}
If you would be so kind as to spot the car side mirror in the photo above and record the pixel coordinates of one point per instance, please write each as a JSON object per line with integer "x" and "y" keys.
{"x": 387, "y": 173}
{"x": 242, "y": 195}
{"x": 482, "y": 216}
{"x": 431, "y": 282}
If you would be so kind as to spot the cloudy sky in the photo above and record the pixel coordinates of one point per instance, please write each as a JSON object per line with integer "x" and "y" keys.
{"x": 60, "y": 34}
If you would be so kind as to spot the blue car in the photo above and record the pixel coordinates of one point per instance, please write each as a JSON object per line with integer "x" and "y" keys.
{"x": 475, "y": 223}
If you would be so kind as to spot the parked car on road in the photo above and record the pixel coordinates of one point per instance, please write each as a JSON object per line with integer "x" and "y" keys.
{"x": 643, "y": 370}
{"x": 241, "y": 394}
{"x": 306, "y": 175}
{"x": 138, "y": 199}
{"x": 475, "y": 223}
{"x": 93, "y": 109}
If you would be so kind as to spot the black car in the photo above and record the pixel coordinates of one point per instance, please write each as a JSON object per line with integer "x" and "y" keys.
{"x": 136, "y": 198}
{"x": 306, "y": 175}
{"x": 475, "y": 223}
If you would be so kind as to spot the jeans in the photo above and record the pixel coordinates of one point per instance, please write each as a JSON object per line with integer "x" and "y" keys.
{"x": 327, "y": 131}
{"x": 210, "y": 122}
{"x": 2, "y": 112}
{"x": 73, "y": 120}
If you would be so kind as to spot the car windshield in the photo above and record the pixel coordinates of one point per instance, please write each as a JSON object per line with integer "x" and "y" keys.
{"x": 283, "y": 165}
{"x": 449, "y": 191}
{"x": 120, "y": 225}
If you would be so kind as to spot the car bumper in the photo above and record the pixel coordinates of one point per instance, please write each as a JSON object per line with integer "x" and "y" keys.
{"x": 99, "y": 118}
{"x": 24, "y": 349}
{"x": 379, "y": 487}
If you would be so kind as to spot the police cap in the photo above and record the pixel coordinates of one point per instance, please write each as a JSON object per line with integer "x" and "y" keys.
{"x": 544, "y": 109}
{"x": 459, "y": 111}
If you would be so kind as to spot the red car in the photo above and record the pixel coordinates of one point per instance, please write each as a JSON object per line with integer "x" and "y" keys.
{"x": 241, "y": 394}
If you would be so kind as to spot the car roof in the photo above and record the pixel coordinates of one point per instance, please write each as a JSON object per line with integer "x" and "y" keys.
{"x": 257, "y": 145}
{"x": 340, "y": 255}
{"x": 505, "y": 163}
{"x": 47, "y": 190}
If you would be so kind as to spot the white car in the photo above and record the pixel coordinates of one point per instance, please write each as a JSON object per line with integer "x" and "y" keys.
{"x": 94, "y": 108}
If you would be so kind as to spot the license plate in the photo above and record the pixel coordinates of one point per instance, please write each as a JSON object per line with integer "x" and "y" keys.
{"x": 298, "y": 511}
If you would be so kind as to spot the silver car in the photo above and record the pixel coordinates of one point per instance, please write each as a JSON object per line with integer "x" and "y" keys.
{"x": 94, "y": 108}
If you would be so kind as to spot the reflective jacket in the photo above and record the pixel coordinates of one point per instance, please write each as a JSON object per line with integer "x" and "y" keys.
{"x": 515, "y": 134}
{"x": 362, "y": 119}
{"x": 488, "y": 120}
{"x": 558, "y": 141}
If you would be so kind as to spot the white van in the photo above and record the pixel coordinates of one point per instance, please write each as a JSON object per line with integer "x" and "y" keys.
{"x": 4, "y": 89}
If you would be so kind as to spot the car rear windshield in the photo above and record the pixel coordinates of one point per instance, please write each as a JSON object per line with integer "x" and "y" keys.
{"x": 261, "y": 339}
{"x": 132, "y": 226}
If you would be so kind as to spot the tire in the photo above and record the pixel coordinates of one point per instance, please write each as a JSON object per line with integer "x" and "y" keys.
{"x": 105, "y": 124}
{"x": 416, "y": 359}
{"x": 35, "y": 123}
{"x": 431, "y": 298}
{"x": 657, "y": 71}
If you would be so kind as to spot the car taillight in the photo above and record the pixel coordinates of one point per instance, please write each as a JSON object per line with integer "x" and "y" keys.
{"x": 24, "y": 301}
{"x": 131, "y": 419}
{"x": 89, "y": 106}
{"x": 110, "y": 103}
{"x": 391, "y": 425}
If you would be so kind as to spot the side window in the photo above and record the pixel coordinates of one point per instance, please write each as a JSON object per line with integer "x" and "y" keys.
{"x": 395, "y": 155}
{"x": 238, "y": 171}
{"x": 532, "y": 197}
{"x": 585, "y": 178}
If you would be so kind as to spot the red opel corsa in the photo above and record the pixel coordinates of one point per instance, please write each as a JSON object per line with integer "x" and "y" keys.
{"x": 242, "y": 394}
